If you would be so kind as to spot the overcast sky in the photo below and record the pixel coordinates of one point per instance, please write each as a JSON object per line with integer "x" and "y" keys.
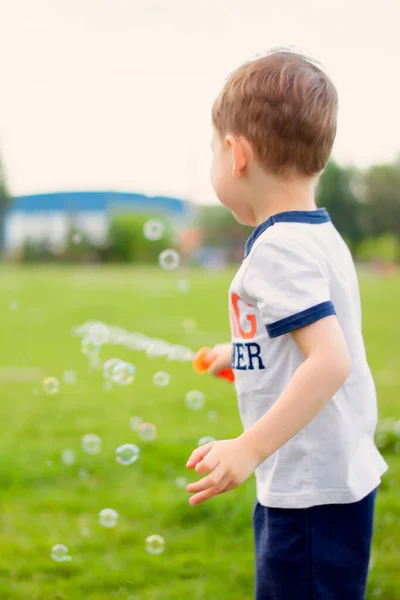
{"x": 116, "y": 94}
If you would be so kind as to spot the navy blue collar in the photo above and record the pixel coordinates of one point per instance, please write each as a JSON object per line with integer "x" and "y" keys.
{"x": 317, "y": 216}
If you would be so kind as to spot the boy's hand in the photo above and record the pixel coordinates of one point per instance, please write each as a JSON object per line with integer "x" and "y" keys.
{"x": 221, "y": 355}
{"x": 228, "y": 462}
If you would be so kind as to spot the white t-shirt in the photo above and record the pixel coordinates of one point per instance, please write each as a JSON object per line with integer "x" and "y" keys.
{"x": 297, "y": 269}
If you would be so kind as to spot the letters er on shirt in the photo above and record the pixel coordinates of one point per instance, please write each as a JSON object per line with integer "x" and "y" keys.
{"x": 246, "y": 355}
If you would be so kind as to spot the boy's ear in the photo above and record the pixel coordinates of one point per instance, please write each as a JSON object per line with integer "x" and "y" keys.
{"x": 240, "y": 154}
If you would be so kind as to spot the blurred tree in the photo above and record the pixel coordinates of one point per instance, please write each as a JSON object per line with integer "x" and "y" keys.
{"x": 382, "y": 200}
{"x": 5, "y": 202}
{"x": 336, "y": 195}
{"x": 385, "y": 248}
{"x": 127, "y": 242}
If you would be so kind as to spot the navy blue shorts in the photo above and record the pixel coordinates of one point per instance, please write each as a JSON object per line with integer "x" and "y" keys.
{"x": 316, "y": 553}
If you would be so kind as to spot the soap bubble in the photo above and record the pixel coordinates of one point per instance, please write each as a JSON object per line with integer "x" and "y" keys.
{"x": 206, "y": 439}
{"x": 135, "y": 423}
{"x": 135, "y": 341}
{"x": 90, "y": 347}
{"x": 48, "y": 463}
{"x": 381, "y": 440}
{"x": 153, "y": 229}
{"x": 388, "y": 424}
{"x": 180, "y": 353}
{"x": 194, "y": 400}
{"x": 91, "y": 443}
{"x": 59, "y": 553}
{"x": 212, "y": 415}
{"x": 123, "y": 373}
{"x": 169, "y": 259}
{"x": 372, "y": 561}
{"x": 99, "y": 331}
{"x": 14, "y": 305}
{"x": 147, "y": 431}
{"x": 161, "y": 378}
{"x": 155, "y": 544}
{"x": 109, "y": 366}
{"x": 76, "y": 238}
{"x": 183, "y": 285}
{"x": 95, "y": 363}
{"x": 181, "y": 482}
{"x": 189, "y": 325}
{"x": 51, "y": 386}
{"x": 157, "y": 348}
{"x": 127, "y": 454}
{"x": 68, "y": 456}
{"x": 119, "y": 371}
{"x": 69, "y": 377}
{"x": 108, "y": 517}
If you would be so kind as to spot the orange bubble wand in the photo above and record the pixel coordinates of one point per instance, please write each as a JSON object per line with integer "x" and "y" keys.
{"x": 204, "y": 359}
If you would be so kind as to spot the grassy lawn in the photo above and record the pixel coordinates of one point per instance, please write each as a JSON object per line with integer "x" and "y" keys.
{"x": 209, "y": 552}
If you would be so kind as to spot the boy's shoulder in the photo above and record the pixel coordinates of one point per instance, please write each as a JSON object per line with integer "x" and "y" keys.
{"x": 303, "y": 254}
{"x": 290, "y": 226}
{"x": 288, "y": 238}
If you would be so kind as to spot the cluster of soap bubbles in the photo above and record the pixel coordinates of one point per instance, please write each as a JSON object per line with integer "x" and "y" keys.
{"x": 387, "y": 435}
{"x": 108, "y": 518}
{"x": 94, "y": 335}
{"x": 153, "y": 230}
{"x": 125, "y": 455}
{"x": 131, "y": 340}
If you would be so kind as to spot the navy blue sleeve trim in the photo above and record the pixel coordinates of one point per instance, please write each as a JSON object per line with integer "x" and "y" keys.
{"x": 301, "y": 319}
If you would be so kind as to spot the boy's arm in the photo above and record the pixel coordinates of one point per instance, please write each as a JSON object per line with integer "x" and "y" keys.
{"x": 324, "y": 371}
{"x": 327, "y": 365}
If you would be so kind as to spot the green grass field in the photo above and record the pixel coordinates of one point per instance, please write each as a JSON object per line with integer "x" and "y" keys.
{"x": 209, "y": 553}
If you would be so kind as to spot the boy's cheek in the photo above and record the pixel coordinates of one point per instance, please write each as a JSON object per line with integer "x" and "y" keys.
{"x": 227, "y": 194}
{"x": 220, "y": 190}
{"x": 215, "y": 178}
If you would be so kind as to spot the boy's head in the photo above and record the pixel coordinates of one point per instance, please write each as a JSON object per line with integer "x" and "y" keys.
{"x": 274, "y": 120}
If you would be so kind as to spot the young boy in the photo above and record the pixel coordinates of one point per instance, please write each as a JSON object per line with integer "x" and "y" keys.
{"x": 305, "y": 391}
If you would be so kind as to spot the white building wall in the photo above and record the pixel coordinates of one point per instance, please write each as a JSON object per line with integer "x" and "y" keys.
{"x": 52, "y": 227}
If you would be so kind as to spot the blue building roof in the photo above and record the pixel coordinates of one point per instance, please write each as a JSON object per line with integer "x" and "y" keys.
{"x": 97, "y": 201}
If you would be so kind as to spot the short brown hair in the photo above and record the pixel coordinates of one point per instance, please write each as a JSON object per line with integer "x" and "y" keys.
{"x": 285, "y": 106}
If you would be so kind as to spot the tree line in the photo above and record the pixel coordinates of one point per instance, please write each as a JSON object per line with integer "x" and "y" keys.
{"x": 364, "y": 205}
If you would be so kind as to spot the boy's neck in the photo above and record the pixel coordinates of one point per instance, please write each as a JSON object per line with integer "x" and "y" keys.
{"x": 284, "y": 195}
